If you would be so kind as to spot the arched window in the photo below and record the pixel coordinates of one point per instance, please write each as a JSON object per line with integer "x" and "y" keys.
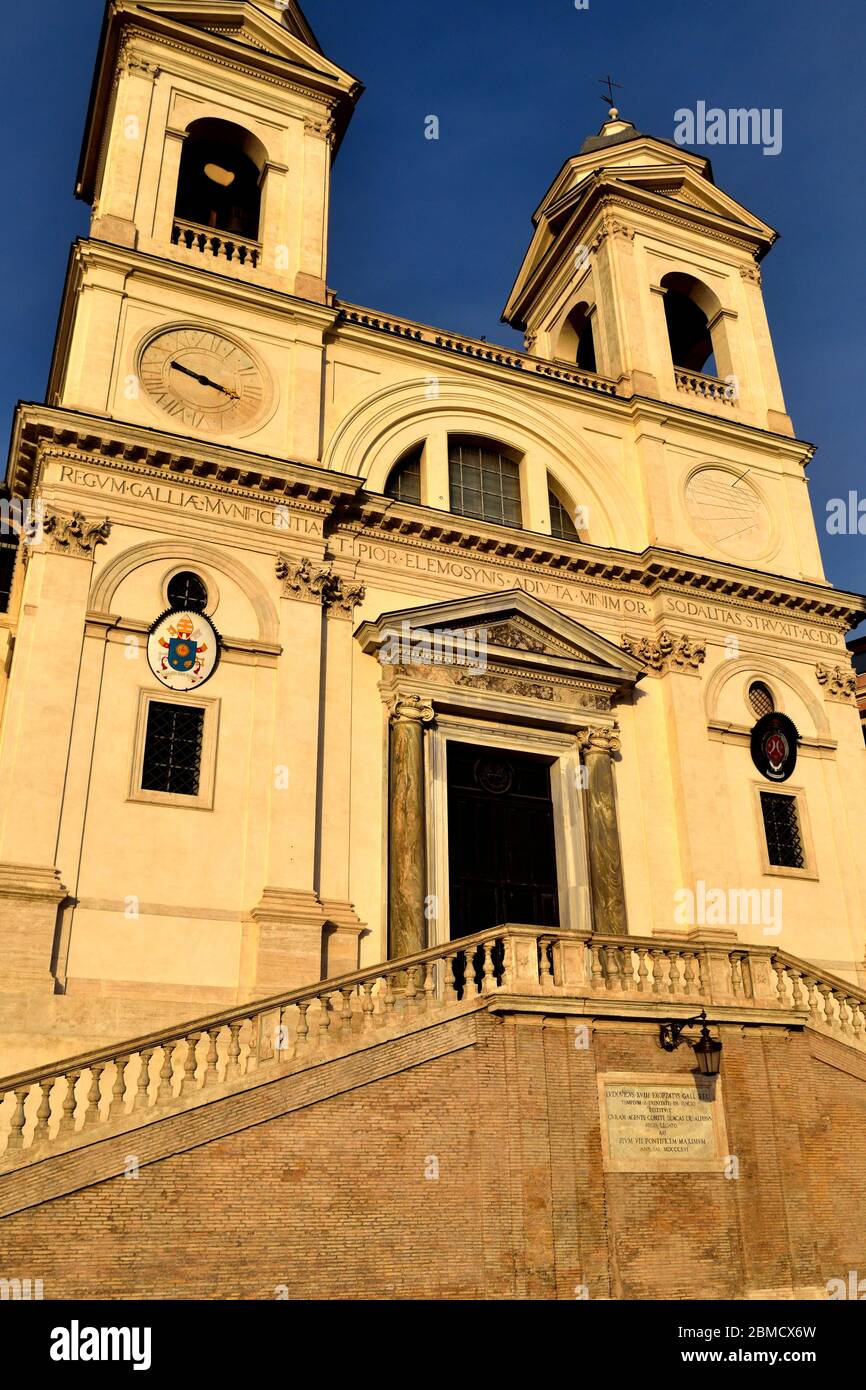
{"x": 404, "y": 480}
{"x": 576, "y": 343}
{"x": 219, "y": 185}
{"x": 761, "y": 699}
{"x": 562, "y": 528}
{"x": 484, "y": 481}
{"x": 688, "y": 307}
{"x": 187, "y": 590}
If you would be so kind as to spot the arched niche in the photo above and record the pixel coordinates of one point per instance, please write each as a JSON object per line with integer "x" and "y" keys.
{"x": 166, "y": 557}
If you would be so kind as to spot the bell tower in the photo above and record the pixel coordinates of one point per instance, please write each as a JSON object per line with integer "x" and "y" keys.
{"x": 642, "y": 269}
{"x": 199, "y": 303}
{"x": 210, "y": 137}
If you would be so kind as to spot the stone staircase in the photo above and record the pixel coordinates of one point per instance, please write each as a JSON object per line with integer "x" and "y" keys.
{"x": 68, "y": 1107}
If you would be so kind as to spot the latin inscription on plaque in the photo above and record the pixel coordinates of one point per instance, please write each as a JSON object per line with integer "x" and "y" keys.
{"x": 666, "y": 1124}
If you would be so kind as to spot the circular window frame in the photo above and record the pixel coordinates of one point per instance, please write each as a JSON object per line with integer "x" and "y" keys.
{"x": 206, "y": 577}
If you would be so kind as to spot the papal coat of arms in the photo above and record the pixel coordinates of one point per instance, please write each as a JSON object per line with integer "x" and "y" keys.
{"x": 183, "y": 649}
{"x": 774, "y": 743}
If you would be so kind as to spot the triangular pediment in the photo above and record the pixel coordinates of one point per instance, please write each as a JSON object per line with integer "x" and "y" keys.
{"x": 283, "y": 33}
{"x": 656, "y": 176}
{"x": 513, "y": 630}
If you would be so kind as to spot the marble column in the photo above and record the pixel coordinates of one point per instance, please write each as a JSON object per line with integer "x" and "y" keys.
{"x": 407, "y": 849}
{"x": 605, "y": 856}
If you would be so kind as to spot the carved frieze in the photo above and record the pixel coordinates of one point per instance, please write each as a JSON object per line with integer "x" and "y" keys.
{"x": 74, "y": 534}
{"x": 839, "y": 682}
{"x": 669, "y": 651}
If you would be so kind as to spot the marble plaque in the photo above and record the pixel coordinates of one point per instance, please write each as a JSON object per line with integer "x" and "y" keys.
{"x": 670, "y": 1123}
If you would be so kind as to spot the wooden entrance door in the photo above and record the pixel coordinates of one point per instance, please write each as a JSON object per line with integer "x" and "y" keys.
{"x": 501, "y": 849}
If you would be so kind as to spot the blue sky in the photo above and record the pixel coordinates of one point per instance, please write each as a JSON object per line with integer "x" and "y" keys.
{"x": 435, "y": 230}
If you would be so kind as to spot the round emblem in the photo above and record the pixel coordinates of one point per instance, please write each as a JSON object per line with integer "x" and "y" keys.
{"x": 726, "y": 510}
{"x": 183, "y": 649}
{"x": 494, "y": 775}
{"x": 774, "y": 747}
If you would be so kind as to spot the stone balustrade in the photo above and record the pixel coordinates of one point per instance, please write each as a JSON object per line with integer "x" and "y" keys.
{"x": 224, "y": 245}
{"x": 708, "y": 388}
{"x": 477, "y": 349}
{"x": 52, "y": 1108}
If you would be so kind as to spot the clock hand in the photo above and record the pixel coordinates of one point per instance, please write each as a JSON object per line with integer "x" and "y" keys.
{"x": 206, "y": 381}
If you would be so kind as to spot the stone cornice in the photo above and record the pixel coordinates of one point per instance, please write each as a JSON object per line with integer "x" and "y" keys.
{"x": 42, "y": 432}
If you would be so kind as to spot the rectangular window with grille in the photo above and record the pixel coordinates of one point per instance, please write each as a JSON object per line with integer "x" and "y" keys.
{"x": 782, "y": 830}
{"x": 172, "y": 749}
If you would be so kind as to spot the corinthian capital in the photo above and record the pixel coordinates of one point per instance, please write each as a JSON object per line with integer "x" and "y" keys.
{"x": 74, "y": 534}
{"x": 302, "y": 580}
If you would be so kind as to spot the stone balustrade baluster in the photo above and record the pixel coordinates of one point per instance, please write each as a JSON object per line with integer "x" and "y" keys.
{"x": 43, "y": 1113}
{"x": 142, "y": 1097}
{"x": 165, "y": 1089}
{"x": 211, "y": 1061}
{"x": 302, "y": 1031}
{"x": 346, "y": 1014}
{"x": 15, "y": 1141}
{"x": 190, "y": 1063}
{"x": 67, "y": 1119}
{"x": 642, "y": 972}
{"x": 94, "y": 1095}
{"x": 233, "y": 1063}
{"x": 597, "y": 976}
{"x": 367, "y": 1005}
{"x": 656, "y": 958}
{"x": 118, "y": 1091}
{"x": 324, "y": 1016}
{"x": 430, "y": 984}
{"x": 488, "y": 978}
{"x": 689, "y": 961}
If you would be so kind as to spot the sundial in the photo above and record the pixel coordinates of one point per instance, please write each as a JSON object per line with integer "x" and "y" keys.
{"x": 726, "y": 510}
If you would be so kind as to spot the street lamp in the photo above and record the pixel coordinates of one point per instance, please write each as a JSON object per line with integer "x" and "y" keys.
{"x": 707, "y": 1050}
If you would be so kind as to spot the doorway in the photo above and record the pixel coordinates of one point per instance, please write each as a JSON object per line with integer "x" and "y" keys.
{"x": 501, "y": 842}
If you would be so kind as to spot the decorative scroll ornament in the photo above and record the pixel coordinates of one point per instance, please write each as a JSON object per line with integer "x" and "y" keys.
{"x": 74, "y": 535}
{"x": 839, "y": 682}
{"x": 671, "y": 650}
{"x": 183, "y": 649}
{"x": 411, "y": 709}
{"x": 751, "y": 273}
{"x": 601, "y": 740}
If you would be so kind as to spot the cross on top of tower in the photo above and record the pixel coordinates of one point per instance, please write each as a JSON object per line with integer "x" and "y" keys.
{"x": 608, "y": 97}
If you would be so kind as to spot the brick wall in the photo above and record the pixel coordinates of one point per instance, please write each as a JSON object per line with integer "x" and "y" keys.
{"x": 330, "y": 1199}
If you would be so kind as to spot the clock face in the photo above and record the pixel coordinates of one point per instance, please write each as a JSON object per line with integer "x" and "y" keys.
{"x": 204, "y": 380}
{"x": 727, "y": 511}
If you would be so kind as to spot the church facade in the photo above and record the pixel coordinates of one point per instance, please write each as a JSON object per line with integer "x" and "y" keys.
{"x": 431, "y": 774}
{"x": 488, "y": 630}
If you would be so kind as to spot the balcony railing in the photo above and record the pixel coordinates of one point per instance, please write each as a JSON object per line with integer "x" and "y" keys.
{"x": 223, "y": 245}
{"x": 708, "y": 388}
{"x": 89, "y": 1097}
